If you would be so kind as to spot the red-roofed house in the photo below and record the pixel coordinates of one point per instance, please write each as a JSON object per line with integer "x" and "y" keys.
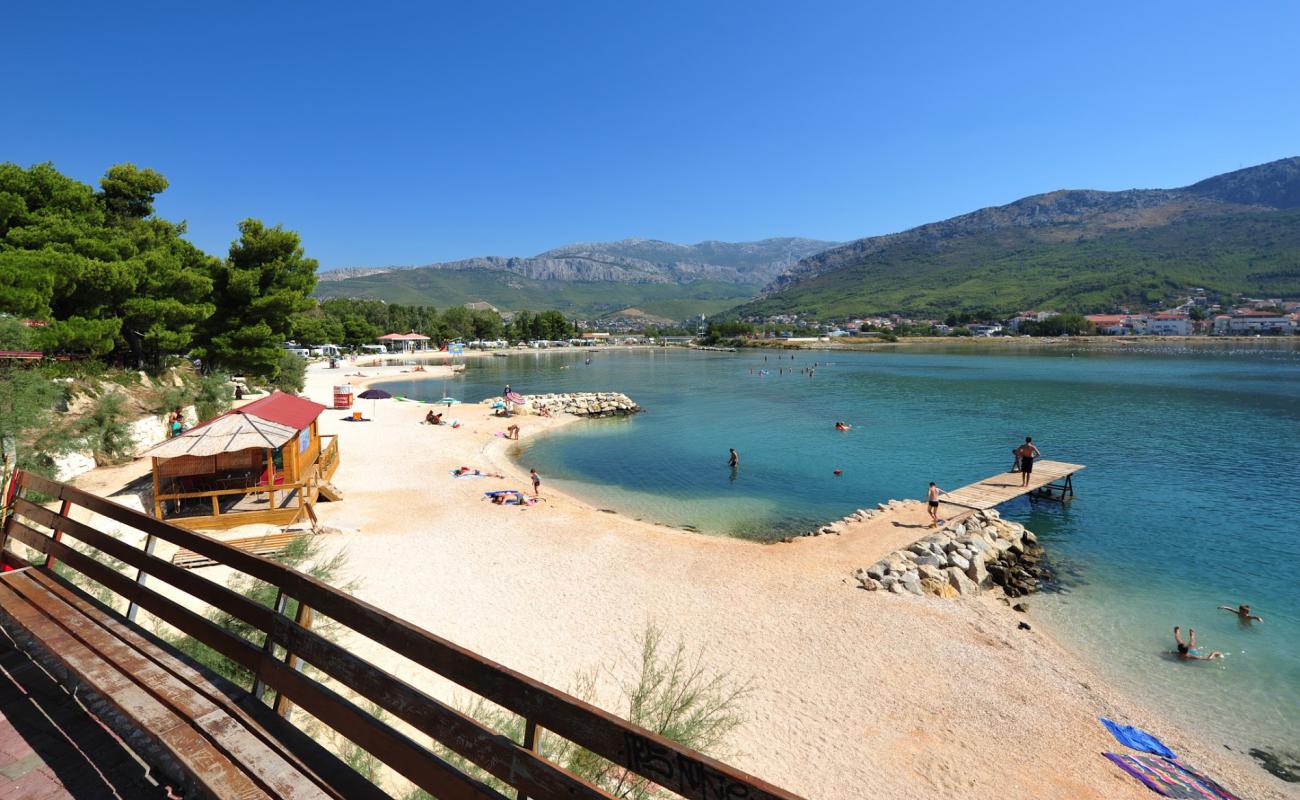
{"x": 1165, "y": 324}
{"x": 264, "y": 462}
{"x": 1110, "y": 324}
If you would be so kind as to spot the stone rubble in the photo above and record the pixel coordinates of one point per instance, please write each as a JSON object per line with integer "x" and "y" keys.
{"x": 861, "y": 515}
{"x": 582, "y": 404}
{"x": 960, "y": 559}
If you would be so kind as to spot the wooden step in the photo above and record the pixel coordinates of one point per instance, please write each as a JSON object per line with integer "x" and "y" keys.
{"x": 329, "y": 491}
{"x": 270, "y": 545}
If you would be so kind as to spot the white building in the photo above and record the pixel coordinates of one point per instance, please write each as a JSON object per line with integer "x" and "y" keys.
{"x": 1250, "y": 323}
{"x": 1169, "y": 325}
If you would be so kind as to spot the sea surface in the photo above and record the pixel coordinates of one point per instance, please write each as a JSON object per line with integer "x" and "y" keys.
{"x": 1190, "y": 499}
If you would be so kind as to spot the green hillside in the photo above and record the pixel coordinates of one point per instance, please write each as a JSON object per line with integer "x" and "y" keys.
{"x": 1014, "y": 268}
{"x": 511, "y": 292}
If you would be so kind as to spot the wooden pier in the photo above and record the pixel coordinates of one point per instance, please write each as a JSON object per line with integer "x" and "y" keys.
{"x": 1050, "y": 478}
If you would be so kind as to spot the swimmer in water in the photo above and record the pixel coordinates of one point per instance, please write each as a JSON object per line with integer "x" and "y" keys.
{"x": 1188, "y": 651}
{"x": 1243, "y": 613}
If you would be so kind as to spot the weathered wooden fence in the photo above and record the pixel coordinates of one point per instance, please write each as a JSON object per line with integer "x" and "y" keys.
{"x": 290, "y": 643}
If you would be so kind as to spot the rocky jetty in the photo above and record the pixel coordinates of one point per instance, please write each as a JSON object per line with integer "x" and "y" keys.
{"x": 861, "y": 515}
{"x": 978, "y": 553}
{"x": 582, "y": 404}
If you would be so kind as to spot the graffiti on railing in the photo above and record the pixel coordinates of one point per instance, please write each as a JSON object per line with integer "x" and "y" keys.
{"x": 677, "y": 773}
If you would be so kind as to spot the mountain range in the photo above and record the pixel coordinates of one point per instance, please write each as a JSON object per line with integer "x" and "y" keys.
{"x": 646, "y": 277}
{"x": 1068, "y": 250}
{"x": 1081, "y": 250}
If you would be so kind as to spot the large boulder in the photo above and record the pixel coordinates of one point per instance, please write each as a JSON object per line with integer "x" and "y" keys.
{"x": 911, "y": 582}
{"x": 962, "y": 584}
{"x": 931, "y": 559}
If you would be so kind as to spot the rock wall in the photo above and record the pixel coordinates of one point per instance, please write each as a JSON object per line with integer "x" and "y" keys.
{"x": 979, "y": 553}
{"x": 582, "y": 404}
{"x": 145, "y": 433}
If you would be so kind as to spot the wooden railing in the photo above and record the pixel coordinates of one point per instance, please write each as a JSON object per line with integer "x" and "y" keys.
{"x": 671, "y": 766}
{"x": 329, "y": 456}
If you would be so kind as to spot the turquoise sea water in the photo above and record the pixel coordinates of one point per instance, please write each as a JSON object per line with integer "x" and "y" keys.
{"x": 1191, "y": 498}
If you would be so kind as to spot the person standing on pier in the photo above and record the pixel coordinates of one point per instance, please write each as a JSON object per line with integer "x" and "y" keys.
{"x": 1027, "y": 452}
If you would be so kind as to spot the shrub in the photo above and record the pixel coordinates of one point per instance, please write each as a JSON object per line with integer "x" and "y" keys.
{"x": 670, "y": 692}
{"x": 291, "y": 374}
{"x": 212, "y": 397}
{"x": 105, "y": 431}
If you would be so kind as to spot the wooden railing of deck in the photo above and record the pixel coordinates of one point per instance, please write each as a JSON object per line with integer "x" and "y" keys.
{"x": 678, "y": 769}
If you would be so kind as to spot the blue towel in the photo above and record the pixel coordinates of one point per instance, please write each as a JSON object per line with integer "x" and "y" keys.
{"x": 1137, "y": 739}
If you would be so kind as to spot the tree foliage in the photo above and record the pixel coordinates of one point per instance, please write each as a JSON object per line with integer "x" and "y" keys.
{"x": 108, "y": 276}
{"x": 259, "y": 288}
{"x": 1059, "y": 325}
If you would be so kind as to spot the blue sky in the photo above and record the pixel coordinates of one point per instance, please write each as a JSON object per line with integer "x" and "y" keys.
{"x": 402, "y": 133}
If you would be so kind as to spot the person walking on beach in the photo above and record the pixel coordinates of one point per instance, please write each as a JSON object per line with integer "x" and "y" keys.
{"x": 1026, "y": 453}
{"x": 1188, "y": 651}
{"x": 733, "y": 460}
{"x": 932, "y": 502}
{"x": 537, "y": 481}
{"x": 1243, "y": 613}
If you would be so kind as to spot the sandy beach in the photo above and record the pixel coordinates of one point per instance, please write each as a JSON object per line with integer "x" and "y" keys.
{"x": 854, "y": 693}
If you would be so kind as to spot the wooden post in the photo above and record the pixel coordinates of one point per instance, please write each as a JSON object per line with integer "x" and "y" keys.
{"x": 157, "y": 489}
{"x": 259, "y": 687}
{"x": 150, "y": 542}
{"x": 216, "y": 506}
{"x": 270, "y": 476}
{"x": 530, "y": 744}
{"x": 303, "y": 617}
{"x": 57, "y": 535}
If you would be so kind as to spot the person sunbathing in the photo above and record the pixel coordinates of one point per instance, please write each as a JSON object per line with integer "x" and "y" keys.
{"x": 432, "y": 418}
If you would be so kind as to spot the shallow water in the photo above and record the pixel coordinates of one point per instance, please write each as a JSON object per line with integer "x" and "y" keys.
{"x": 1191, "y": 498}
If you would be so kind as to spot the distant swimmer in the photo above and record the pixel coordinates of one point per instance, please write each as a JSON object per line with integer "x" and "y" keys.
{"x": 1243, "y": 613}
{"x": 1188, "y": 651}
{"x": 843, "y": 426}
{"x": 1025, "y": 455}
{"x": 932, "y": 502}
{"x": 733, "y": 460}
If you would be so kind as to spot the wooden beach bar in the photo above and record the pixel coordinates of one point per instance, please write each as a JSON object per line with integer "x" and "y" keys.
{"x": 265, "y": 462}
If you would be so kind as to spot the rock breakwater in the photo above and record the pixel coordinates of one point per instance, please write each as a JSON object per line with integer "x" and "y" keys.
{"x": 582, "y": 404}
{"x": 978, "y": 553}
{"x": 861, "y": 515}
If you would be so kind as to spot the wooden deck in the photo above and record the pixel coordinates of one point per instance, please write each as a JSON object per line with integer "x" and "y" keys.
{"x": 1050, "y": 477}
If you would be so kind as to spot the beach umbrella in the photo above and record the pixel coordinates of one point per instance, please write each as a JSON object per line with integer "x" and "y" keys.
{"x": 376, "y": 395}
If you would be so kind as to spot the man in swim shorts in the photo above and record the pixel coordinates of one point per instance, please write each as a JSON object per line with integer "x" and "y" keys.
{"x": 733, "y": 460}
{"x": 932, "y": 501}
{"x": 1243, "y": 613}
{"x": 1188, "y": 651}
{"x": 1027, "y": 452}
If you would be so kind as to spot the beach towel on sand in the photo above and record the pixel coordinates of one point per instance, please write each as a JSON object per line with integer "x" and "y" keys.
{"x": 1137, "y": 739}
{"x": 1170, "y": 778}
